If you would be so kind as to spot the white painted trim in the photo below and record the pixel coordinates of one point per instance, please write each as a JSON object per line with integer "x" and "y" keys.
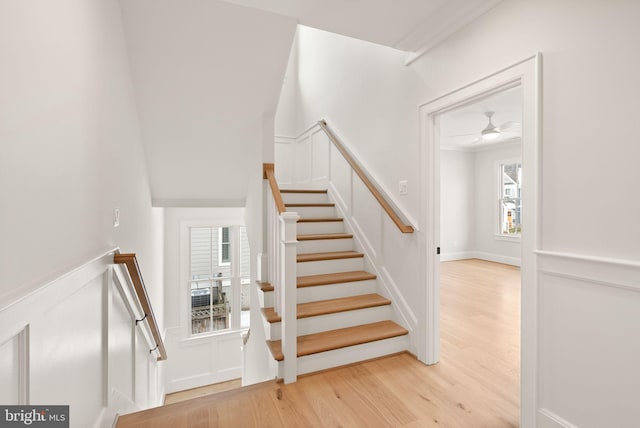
{"x": 196, "y": 381}
{"x": 548, "y": 419}
{"x": 446, "y": 22}
{"x": 591, "y": 269}
{"x": 528, "y": 74}
{"x": 388, "y": 196}
{"x": 498, "y": 258}
{"x": 198, "y": 203}
{"x": 460, "y": 255}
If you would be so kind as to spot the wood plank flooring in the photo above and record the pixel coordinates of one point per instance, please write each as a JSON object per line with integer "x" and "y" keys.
{"x": 475, "y": 385}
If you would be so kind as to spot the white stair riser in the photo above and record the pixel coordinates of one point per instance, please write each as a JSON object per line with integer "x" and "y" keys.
{"x": 266, "y": 299}
{"x": 334, "y": 291}
{"x": 320, "y": 227}
{"x": 305, "y": 198}
{"x": 325, "y": 292}
{"x": 352, "y": 354}
{"x": 270, "y": 331}
{"x": 329, "y": 266}
{"x": 324, "y": 245}
{"x": 335, "y": 321}
{"x": 313, "y": 212}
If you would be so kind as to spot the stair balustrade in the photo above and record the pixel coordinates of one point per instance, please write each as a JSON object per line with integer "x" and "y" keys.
{"x": 281, "y": 270}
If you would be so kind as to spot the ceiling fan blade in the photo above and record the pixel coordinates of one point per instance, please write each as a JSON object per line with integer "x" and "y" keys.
{"x": 509, "y": 124}
{"x": 461, "y": 135}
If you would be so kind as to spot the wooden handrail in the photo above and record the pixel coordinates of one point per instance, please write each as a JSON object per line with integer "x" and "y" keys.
{"x": 269, "y": 174}
{"x": 134, "y": 271}
{"x": 404, "y": 228}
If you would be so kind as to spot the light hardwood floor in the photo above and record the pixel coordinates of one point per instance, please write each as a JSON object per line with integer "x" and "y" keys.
{"x": 475, "y": 385}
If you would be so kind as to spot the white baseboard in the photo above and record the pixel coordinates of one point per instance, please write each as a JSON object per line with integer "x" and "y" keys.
{"x": 491, "y": 257}
{"x": 461, "y": 255}
{"x": 202, "y": 380}
{"x": 548, "y": 419}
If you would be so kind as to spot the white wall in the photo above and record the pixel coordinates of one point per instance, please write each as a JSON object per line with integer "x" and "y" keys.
{"x": 457, "y": 204}
{"x": 71, "y": 148}
{"x": 364, "y": 91}
{"x": 194, "y": 361}
{"x": 588, "y": 278}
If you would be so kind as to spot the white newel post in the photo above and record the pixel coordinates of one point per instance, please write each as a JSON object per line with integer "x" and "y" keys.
{"x": 288, "y": 244}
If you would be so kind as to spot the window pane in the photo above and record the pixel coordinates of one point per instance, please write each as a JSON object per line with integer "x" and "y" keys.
{"x": 201, "y": 252}
{"x": 510, "y": 189}
{"x": 245, "y": 278}
{"x": 510, "y": 216}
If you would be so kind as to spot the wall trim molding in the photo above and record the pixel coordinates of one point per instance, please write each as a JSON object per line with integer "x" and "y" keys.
{"x": 473, "y": 254}
{"x": 548, "y": 419}
{"x": 606, "y": 271}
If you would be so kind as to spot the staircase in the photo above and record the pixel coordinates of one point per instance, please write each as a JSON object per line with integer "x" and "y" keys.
{"x": 341, "y": 319}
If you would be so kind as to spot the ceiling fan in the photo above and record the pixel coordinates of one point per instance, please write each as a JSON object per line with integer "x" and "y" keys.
{"x": 490, "y": 132}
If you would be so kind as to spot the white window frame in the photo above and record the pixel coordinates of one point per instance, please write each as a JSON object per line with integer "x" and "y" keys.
{"x": 498, "y": 235}
{"x": 185, "y": 288}
{"x": 221, "y": 261}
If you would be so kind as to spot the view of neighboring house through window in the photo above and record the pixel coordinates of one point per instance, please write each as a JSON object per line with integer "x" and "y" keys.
{"x": 218, "y": 278}
{"x": 510, "y": 204}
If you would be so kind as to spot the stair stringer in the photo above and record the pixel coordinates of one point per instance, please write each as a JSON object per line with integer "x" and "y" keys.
{"x": 387, "y": 287}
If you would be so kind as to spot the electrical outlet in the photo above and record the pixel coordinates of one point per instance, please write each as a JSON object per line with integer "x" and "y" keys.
{"x": 403, "y": 187}
{"x": 116, "y": 217}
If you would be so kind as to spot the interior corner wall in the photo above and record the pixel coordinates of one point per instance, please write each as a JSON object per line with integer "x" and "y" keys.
{"x": 286, "y": 118}
{"x": 588, "y": 296}
{"x": 369, "y": 96}
{"x": 71, "y": 146}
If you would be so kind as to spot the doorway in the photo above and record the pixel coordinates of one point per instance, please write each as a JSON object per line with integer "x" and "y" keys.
{"x": 526, "y": 75}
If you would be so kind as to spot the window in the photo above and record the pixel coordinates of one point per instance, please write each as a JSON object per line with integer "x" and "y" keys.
{"x": 218, "y": 278}
{"x": 510, "y": 208}
{"x": 224, "y": 246}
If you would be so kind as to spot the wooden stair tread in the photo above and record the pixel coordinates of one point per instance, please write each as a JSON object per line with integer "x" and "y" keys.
{"x": 333, "y": 278}
{"x": 319, "y": 219}
{"x": 265, "y": 286}
{"x": 340, "y": 338}
{"x": 303, "y": 190}
{"x": 333, "y": 255}
{"x": 310, "y": 205}
{"x": 331, "y": 306}
{"x": 319, "y": 236}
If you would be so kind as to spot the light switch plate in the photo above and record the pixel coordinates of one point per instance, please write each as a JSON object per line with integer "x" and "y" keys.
{"x": 403, "y": 187}
{"x": 116, "y": 217}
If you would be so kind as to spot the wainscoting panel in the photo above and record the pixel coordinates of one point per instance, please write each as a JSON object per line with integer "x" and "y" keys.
{"x": 202, "y": 360}
{"x": 589, "y": 327}
{"x": 74, "y": 342}
{"x": 12, "y": 359}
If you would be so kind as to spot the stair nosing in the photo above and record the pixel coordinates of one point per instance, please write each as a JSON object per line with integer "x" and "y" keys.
{"x": 395, "y": 330}
{"x": 334, "y": 278}
{"x": 304, "y": 191}
{"x": 321, "y": 236}
{"x": 329, "y": 255}
{"x": 375, "y": 301}
{"x": 310, "y": 205}
{"x": 320, "y": 219}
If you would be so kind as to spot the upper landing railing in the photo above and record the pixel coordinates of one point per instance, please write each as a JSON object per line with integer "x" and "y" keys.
{"x": 368, "y": 182}
{"x": 129, "y": 260}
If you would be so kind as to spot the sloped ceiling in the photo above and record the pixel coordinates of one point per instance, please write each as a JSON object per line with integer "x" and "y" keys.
{"x": 409, "y": 25}
{"x": 204, "y": 74}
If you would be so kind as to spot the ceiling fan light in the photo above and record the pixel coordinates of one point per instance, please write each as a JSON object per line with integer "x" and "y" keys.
{"x": 490, "y": 133}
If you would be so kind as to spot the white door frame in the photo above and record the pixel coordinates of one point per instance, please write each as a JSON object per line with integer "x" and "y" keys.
{"x": 526, "y": 73}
